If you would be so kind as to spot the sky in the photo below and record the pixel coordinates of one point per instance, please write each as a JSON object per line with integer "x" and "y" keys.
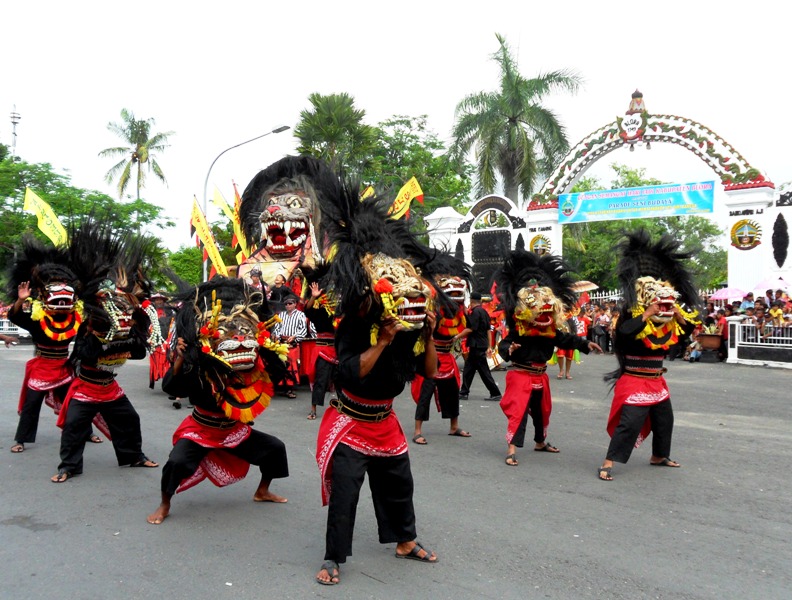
{"x": 220, "y": 73}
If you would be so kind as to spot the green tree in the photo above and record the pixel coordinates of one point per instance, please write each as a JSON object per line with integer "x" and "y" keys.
{"x": 68, "y": 202}
{"x": 187, "y": 263}
{"x": 406, "y": 147}
{"x": 588, "y": 247}
{"x": 515, "y": 137}
{"x": 333, "y": 129}
{"x": 138, "y": 153}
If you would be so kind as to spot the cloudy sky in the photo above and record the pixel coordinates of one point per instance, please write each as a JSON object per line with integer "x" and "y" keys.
{"x": 220, "y": 73}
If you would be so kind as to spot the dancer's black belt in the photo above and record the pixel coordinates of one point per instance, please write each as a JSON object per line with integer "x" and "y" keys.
{"x": 532, "y": 369}
{"x": 52, "y": 352}
{"x": 359, "y": 411}
{"x": 646, "y": 373}
{"x": 325, "y": 342}
{"x": 103, "y": 378}
{"x": 215, "y": 422}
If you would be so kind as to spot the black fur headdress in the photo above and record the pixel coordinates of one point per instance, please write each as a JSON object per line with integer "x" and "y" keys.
{"x": 41, "y": 264}
{"x": 663, "y": 260}
{"x": 523, "y": 269}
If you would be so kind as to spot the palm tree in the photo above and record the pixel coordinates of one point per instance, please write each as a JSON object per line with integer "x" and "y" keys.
{"x": 514, "y": 136}
{"x": 334, "y": 131}
{"x": 139, "y": 151}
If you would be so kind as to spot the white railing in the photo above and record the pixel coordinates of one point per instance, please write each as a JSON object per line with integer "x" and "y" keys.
{"x": 750, "y": 334}
{"x": 8, "y": 328}
{"x": 759, "y": 346}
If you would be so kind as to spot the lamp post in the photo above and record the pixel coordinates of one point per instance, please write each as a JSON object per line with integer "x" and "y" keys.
{"x": 206, "y": 181}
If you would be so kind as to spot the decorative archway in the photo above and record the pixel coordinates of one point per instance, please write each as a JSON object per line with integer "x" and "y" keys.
{"x": 638, "y": 126}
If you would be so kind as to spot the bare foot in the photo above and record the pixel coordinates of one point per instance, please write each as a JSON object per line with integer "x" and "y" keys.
{"x": 268, "y": 497}
{"x": 159, "y": 515}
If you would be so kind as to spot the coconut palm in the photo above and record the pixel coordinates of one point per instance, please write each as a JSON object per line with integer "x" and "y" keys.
{"x": 138, "y": 153}
{"x": 513, "y": 134}
{"x": 333, "y": 130}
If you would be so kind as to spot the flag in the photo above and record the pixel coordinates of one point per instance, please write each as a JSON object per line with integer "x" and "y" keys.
{"x": 48, "y": 222}
{"x": 367, "y": 193}
{"x": 401, "y": 205}
{"x": 238, "y": 241}
{"x": 201, "y": 228}
{"x": 220, "y": 202}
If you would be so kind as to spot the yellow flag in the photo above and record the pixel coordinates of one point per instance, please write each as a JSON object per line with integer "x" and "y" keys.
{"x": 220, "y": 202}
{"x": 47, "y": 220}
{"x": 401, "y": 205}
{"x": 367, "y": 193}
{"x": 204, "y": 233}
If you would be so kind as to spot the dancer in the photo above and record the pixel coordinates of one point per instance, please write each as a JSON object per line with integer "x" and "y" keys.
{"x": 290, "y": 329}
{"x": 223, "y": 361}
{"x": 536, "y": 292}
{"x": 44, "y": 289}
{"x": 384, "y": 336}
{"x": 444, "y": 387}
{"x": 655, "y": 283}
{"x": 116, "y": 330}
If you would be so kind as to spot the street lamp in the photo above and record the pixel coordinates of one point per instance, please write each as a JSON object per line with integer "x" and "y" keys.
{"x": 206, "y": 181}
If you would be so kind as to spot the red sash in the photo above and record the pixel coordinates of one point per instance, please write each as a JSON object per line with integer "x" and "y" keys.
{"x": 45, "y": 374}
{"x": 636, "y": 391}
{"x": 85, "y": 391}
{"x": 158, "y": 363}
{"x": 515, "y": 401}
{"x": 221, "y": 468}
{"x": 385, "y": 438}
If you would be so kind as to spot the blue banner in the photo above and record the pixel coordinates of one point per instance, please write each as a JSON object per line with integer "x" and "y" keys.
{"x": 667, "y": 200}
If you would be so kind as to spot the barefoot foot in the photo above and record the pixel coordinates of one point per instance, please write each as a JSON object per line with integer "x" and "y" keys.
{"x": 268, "y": 497}
{"x": 159, "y": 515}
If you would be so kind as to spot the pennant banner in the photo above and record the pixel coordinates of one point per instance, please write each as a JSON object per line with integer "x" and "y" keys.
{"x": 220, "y": 202}
{"x": 238, "y": 240}
{"x": 401, "y": 205}
{"x": 201, "y": 228}
{"x": 48, "y": 222}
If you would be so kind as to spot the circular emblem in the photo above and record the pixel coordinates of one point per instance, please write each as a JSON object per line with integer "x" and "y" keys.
{"x": 746, "y": 234}
{"x": 540, "y": 245}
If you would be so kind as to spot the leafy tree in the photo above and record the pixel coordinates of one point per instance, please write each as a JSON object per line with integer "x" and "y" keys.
{"x": 68, "y": 202}
{"x": 588, "y": 247}
{"x": 333, "y": 130}
{"x": 187, "y": 263}
{"x": 513, "y": 134}
{"x": 406, "y": 147}
{"x": 139, "y": 152}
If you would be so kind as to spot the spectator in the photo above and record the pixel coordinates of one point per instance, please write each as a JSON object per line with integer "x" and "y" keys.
{"x": 748, "y": 301}
{"x": 602, "y": 329}
{"x": 289, "y": 331}
{"x": 278, "y": 294}
{"x": 723, "y": 330}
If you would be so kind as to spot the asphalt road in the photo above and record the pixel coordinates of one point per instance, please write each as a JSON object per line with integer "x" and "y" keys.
{"x": 719, "y": 527}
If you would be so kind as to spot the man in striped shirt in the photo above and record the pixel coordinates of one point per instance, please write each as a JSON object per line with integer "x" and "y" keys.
{"x": 291, "y": 329}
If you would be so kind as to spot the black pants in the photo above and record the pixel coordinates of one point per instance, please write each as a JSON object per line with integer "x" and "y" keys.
{"x": 122, "y": 421}
{"x": 477, "y": 363}
{"x": 391, "y": 484}
{"x": 535, "y": 407}
{"x": 324, "y": 372}
{"x": 447, "y": 393}
{"x": 265, "y": 451}
{"x": 31, "y": 410}
{"x": 632, "y": 420}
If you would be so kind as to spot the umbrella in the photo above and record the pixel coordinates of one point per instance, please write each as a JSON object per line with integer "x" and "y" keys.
{"x": 728, "y": 293}
{"x": 772, "y": 283}
{"x": 584, "y": 286}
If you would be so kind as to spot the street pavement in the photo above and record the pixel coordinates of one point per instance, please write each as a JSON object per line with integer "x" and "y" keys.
{"x": 719, "y": 527}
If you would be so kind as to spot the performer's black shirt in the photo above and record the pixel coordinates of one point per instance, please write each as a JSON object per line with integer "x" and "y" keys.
{"x": 191, "y": 385}
{"x": 479, "y": 323}
{"x": 395, "y": 366}
{"x": 539, "y": 349}
{"x": 320, "y": 319}
{"x": 22, "y": 319}
{"x": 626, "y": 342}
